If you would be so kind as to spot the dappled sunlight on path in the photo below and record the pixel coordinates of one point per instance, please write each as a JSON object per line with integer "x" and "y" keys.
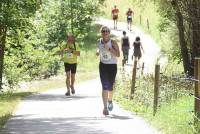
{"x": 53, "y": 113}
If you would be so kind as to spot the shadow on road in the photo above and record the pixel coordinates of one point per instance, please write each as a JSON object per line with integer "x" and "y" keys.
{"x": 56, "y": 97}
{"x": 74, "y": 125}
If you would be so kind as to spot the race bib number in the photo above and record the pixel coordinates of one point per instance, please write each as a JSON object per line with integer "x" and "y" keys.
{"x": 105, "y": 55}
{"x": 129, "y": 17}
{"x": 69, "y": 55}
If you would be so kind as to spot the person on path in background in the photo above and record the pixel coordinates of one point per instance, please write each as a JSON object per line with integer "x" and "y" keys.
{"x": 69, "y": 53}
{"x": 108, "y": 51}
{"x": 137, "y": 46}
{"x": 125, "y": 46}
{"x": 129, "y": 15}
{"x": 115, "y": 12}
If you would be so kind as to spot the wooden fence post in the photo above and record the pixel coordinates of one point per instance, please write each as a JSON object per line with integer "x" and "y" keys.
{"x": 148, "y": 24}
{"x": 156, "y": 88}
{"x": 133, "y": 79}
{"x": 142, "y": 71}
{"x": 197, "y": 94}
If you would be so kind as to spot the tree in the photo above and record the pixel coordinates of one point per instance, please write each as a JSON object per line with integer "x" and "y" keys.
{"x": 186, "y": 15}
{"x": 14, "y": 14}
{"x": 182, "y": 41}
{"x": 31, "y": 31}
{"x": 70, "y": 16}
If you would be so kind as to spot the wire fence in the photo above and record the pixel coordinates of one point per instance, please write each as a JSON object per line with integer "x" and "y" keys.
{"x": 178, "y": 86}
{"x": 171, "y": 88}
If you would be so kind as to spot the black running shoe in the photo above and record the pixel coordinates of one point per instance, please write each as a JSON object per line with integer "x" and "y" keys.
{"x": 67, "y": 93}
{"x": 105, "y": 112}
{"x": 72, "y": 90}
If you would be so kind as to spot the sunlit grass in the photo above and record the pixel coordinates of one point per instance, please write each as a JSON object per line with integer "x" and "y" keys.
{"x": 8, "y": 102}
{"x": 175, "y": 118}
{"x": 174, "y": 115}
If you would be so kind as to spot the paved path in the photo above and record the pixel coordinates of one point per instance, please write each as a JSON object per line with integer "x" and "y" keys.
{"x": 53, "y": 113}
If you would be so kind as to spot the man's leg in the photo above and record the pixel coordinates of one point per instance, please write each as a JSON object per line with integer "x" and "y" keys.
{"x": 116, "y": 23}
{"x": 68, "y": 83}
{"x": 72, "y": 82}
{"x": 130, "y": 23}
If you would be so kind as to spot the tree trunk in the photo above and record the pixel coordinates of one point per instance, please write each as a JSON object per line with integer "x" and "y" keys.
{"x": 182, "y": 41}
{"x": 194, "y": 15}
{"x": 183, "y": 44}
{"x": 2, "y": 47}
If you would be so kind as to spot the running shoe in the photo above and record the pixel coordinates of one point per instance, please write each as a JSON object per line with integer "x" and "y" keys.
{"x": 72, "y": 90}
{"x": 110, "y": 105}
{"x": 105, "y": 112}
{"x": 67, "y": 93}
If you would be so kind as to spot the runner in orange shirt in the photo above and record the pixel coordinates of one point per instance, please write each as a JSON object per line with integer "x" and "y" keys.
{"x": 115, "y": 12}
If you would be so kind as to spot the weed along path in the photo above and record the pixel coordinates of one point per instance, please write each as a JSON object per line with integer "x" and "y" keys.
{"x": 53, "y": 113}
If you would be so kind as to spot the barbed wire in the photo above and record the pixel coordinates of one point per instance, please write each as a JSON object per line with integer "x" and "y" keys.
{"x": 169, "y": 89}
{"x": 192, "y": 126}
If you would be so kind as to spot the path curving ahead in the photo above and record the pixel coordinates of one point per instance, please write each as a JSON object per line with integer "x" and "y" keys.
{"x": 151, "y": 49}
{"x": 53, "y": 113}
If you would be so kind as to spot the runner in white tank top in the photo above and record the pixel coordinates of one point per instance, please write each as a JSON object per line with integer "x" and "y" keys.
{"x": 109, "y": 51}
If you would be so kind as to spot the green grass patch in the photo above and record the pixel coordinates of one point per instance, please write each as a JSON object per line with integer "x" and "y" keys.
{"x": 8, "y": 101}
{"x": 174, "y": 115}
{"x": 173, "y": 118}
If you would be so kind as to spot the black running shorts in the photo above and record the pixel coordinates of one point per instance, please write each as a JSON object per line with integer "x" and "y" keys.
{"x": 70, "y": 67}
{"x": 107, "y": 75}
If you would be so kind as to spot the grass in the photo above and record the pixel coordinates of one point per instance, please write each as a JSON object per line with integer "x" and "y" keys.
{"x": 174, "y": 116}
{"x": 8, "y": 101}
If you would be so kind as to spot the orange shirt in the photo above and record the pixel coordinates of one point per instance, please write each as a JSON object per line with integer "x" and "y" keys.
{"x": 115, "y": 11}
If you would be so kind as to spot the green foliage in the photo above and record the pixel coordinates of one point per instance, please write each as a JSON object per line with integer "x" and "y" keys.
{"x": 16, "y": 13}
{"x": 34, "y": 37}
{"x": 67, "y": 16}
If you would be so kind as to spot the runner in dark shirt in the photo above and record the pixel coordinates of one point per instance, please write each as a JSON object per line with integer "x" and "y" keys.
{"x": 129, "y": 15}
{"x": 125, "y": 48}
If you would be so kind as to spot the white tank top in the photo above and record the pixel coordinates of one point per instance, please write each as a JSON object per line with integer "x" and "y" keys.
{"x": 105, "y": 56}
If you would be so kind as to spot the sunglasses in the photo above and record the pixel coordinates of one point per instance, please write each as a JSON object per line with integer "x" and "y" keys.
{"x": 105, "y": 31}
